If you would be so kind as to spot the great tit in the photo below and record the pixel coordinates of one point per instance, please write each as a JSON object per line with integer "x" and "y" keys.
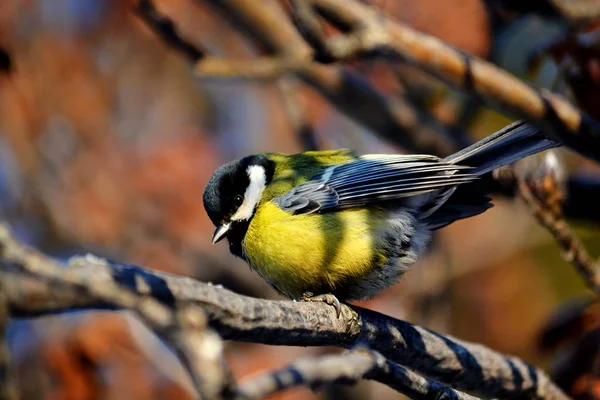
{"x": 335, "y": 223}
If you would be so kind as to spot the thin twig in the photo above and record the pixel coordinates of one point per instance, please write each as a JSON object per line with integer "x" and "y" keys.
{"x": 552, "y": 219}
{"x": 462, "y": 365}
{"x": 185, "y": 327}
{"x": 348, "y": 368}
{"x": 542, "y": 187}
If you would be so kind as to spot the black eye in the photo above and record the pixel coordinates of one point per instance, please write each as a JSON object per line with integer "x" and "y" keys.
{"x": 238, "y": 200}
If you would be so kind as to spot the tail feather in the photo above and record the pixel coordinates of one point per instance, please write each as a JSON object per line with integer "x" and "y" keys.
{"x": 506, "y": 146}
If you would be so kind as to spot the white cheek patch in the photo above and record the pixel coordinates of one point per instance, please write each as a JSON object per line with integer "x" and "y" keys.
{"x": 258, "y": 180}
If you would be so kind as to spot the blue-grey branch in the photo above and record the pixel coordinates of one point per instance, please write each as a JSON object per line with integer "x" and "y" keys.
{"x": 459, "y": 364}
{"x": 348, "y": 368}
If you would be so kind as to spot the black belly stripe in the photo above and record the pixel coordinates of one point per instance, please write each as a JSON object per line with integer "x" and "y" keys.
{"x": 236, "y": 239}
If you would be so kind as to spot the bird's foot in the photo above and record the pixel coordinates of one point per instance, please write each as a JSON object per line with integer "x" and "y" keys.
{"x": 326, "y": 298}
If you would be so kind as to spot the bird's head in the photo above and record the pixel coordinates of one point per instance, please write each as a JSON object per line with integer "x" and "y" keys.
{"x": 234, "y": 191}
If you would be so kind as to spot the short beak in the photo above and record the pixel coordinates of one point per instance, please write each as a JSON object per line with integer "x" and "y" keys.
{"x": 220, "y": 233}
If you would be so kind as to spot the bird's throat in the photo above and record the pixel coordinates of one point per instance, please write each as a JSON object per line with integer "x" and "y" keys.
{"x": 236, "y": 236}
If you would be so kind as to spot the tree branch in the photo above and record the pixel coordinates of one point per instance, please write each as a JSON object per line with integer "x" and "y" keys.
{"x": 460, "y": 364}
{"x": 146, "y": 11}
{"x": 6, "y": 385}
{"x": 542, "y": 187}
{"x": 184, "y": 327}
{"x": 577, "y": 11}
{"x": 373, "y": 33}
{"x": 308, "y": 24}
{"x": 544, "y": 199}
{"x": 349, "y": 368}
{"x": 393, "y": 119}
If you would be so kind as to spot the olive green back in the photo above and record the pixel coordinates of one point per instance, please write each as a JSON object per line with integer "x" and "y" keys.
{"x": 291, "y": 171}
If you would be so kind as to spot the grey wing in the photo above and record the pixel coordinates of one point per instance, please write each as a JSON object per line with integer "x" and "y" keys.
{"x": 373, "y": 179}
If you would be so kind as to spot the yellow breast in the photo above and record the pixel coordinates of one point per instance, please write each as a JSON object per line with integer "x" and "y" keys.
{"x": 299, "y": 253}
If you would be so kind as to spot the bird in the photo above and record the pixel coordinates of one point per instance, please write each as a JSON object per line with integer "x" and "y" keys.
{"x": 335, "y": 226}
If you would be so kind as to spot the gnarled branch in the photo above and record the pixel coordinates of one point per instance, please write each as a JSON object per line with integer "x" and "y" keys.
{"x": 349, "y": 367}
{"x": 462, "y": 365}
{"x": 371, "y": 32}
{"x": 185, "y": 327}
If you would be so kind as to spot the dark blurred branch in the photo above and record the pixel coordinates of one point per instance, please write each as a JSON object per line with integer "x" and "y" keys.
{"x": 310, "y": 27}
{"x": 578, "y": 11}
{"x": 295, "y": 107}
{"x": 393, "y": 119}
{"x": 348, "y": 368}
{"x": 6, "y": 384}
{"x": 371, "y": 32}
{"x": 568, "y": 323}
{"x": 184, "y": 327}
{"x": 266, "y": 24}
{"x": 580, "y": 191}
{"x": 573, "y": 11}
{"x": 375, "y": 34}
{"x": 89, "y": 283}
{"x": 510, "y": 9}
{"x": 6, "y": 64}
{"x": 166, "y": 30}
{"x": 583, "y": 190}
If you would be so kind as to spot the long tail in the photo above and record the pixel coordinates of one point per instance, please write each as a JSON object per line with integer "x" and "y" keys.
{"x": 508, "y": 145}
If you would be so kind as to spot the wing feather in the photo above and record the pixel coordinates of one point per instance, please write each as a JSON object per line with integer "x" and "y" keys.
{"x": 373, "y": 179}
{"x": 379, "y": 176}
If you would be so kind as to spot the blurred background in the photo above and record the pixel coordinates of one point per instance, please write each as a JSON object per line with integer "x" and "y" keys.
{"x": 107, "y": 141}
